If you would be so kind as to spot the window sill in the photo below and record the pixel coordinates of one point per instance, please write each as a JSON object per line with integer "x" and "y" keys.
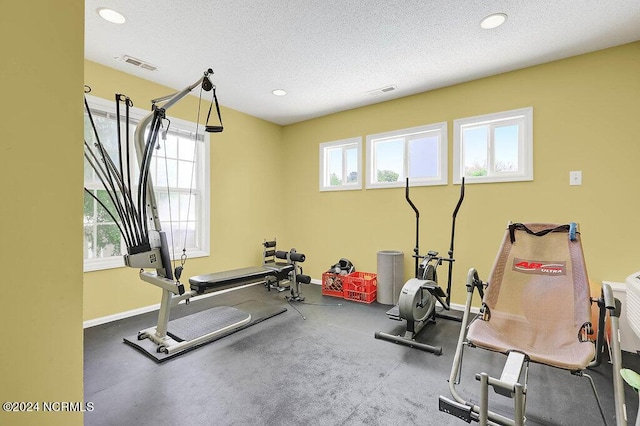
{"x": 341, "y": 188}
{"x": 402, "y": 184}
{"x": 92, "y": 265}
{"x": 493, "y": 179}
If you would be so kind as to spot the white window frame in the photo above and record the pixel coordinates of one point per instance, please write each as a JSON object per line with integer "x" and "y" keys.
{"x": 324, "y": 164}
{"x": 524, "y": 118}
{"x": 442, "y": 177}
{"x": 202, "y": 179}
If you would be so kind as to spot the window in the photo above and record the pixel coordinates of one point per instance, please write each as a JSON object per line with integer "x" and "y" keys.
{"x": 419, "y": 153}
{"x": 179, "y": 172}
{"x": 494, "y": 147}
{"x": 340, "y": 165}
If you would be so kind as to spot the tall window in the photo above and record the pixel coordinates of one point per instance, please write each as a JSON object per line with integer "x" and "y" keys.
{"x": 340, "y": 167}
{"x": 419, "y": 153}
{"x": 494, "y": 147}
{"x": 179, "y": 172}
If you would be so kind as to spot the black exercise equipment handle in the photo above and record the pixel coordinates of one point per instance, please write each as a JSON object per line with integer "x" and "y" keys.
{"x": 455, "y": 213}
{"x": 416, "y": 250}
{"x": 208, "y": 128}
{"x": 453, "y": 233}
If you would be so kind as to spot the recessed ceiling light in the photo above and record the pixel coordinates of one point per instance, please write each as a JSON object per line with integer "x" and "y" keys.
{"x": 279, "y": 92}
{"x": 493, "y": 21}
{"x": 111, "y": 15}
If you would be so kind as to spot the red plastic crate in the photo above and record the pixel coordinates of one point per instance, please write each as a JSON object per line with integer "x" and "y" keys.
{"x": 333, "y": 284}
{"x": 361, "y": 287}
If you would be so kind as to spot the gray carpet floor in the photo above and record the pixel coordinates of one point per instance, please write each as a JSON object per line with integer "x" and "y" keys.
{"x": 316, "y": 364}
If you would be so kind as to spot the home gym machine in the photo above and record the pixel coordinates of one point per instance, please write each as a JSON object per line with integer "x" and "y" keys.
{"x": 417, "y": 301}
{"x": 133, "y": 208}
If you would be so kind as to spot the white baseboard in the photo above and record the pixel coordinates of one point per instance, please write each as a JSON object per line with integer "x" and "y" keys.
{"x": 122, "y": 315}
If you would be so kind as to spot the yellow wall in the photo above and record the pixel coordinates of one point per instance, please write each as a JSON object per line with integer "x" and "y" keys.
{"x": 585, "y": 110}
{"x": 41, "y": 180}
{"x": 246, "y": 199}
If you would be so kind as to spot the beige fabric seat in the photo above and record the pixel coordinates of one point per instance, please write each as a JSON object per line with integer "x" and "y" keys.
{"x": 536, "y": 307}
{"x": 537, "y": 301}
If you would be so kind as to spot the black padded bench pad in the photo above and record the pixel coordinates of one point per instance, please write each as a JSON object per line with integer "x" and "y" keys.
{"x": 279, "y": 267}
{"x": 227, "y": 279}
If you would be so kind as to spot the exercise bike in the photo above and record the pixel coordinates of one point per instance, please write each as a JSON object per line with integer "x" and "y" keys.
{"x": 418, "y": 297}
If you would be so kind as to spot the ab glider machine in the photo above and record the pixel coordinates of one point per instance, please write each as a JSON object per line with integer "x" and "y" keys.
{"x": 417, "y": 300}
{"x": 134, "y": 209}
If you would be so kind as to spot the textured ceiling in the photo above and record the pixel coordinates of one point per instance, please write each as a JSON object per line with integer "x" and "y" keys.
{"x": 329, "y": 55}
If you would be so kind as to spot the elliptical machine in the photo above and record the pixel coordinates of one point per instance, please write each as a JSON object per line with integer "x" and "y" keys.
{"x": 417, "y": 301}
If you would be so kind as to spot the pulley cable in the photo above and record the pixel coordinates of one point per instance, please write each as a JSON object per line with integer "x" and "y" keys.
{"x": 108, "y": 212}
{"x": 194, "y": 158}
{"x": 166, "y": 170}
{"x": 107, "y": 173}
{"x": 101, "y": 174}
{"x": 126, "y": 184}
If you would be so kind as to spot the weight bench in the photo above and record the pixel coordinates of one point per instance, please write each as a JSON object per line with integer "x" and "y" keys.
{"x": 218, "y": 281}
{"x": 279, "y": 280}
{"x": 271, "y": 271}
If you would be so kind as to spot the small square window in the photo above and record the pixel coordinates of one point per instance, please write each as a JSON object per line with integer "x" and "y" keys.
{"x": 494, "y": 147}
{"x": 340, "y": 167}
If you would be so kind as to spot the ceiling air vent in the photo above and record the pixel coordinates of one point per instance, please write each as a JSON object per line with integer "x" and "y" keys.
{"x": 382, "y": 90}
{"x": 138, "y": 63}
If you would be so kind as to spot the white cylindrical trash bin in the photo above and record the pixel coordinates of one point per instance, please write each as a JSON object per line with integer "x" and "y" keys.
{"x": 390, "y": 276}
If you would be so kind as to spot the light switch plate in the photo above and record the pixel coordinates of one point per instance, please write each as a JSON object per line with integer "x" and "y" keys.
{"x": 575, "y": 178}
